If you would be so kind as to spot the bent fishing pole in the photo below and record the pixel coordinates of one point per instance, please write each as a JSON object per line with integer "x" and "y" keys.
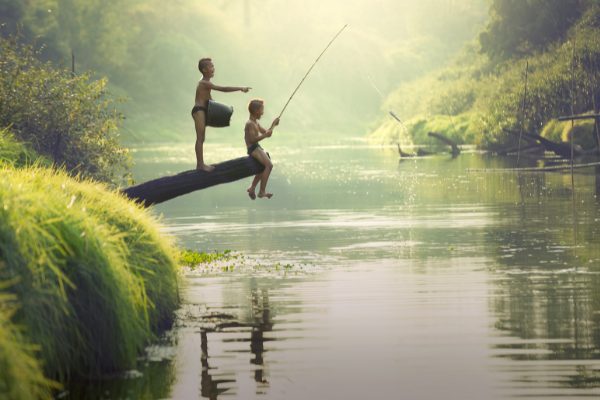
{"x": 310, "y": 69}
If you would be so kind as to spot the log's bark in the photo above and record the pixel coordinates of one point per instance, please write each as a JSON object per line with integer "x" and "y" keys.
{"x": 168, "y": 187}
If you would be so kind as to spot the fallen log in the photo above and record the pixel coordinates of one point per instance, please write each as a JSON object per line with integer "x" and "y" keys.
{"x": 404, "y": 154}
{"x": 442, "y": 138}
{"x": 561, "y": 149}
{"x": 168, "y": 187}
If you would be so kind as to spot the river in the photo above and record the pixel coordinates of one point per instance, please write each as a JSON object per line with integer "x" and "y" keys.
{"x": 369, "y": 278}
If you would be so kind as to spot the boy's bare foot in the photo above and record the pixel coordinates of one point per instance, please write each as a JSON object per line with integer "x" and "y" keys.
{"x": 251, "y": 193}
{"x": 265, "y": 194}
{"x": 205, "y": 167}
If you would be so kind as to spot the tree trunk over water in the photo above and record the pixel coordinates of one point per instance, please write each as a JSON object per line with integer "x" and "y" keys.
{"x": 444, "y": 139}
{"x": 168, "y": 187}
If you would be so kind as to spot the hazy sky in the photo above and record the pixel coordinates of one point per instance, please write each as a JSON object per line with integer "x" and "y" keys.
{"x": 270, "y": 44}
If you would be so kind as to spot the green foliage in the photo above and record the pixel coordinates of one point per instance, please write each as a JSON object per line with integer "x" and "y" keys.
{"x": 582, "y": 131}
{"x": 486, "y": 98}
{"x": 92, "y": 276}
{"x": 17, "y": 154}
{"x": 518, "y": 27}
{"x": 192, "y": 258}
{"x": 68, "y": 119}
{"x": 566, "y": 76}
{"x": 456, "y": 128}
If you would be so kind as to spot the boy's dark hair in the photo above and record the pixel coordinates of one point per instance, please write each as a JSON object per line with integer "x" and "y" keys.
{"x": 255, "y": 105}
{"x": 203, "y": 63}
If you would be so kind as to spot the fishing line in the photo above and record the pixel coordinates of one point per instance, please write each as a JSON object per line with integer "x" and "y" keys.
{"x": 310, "y": 69}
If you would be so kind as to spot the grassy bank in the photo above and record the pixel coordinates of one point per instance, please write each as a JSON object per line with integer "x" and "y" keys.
{"x": 86, "y": 280}
{"x": 477, "y": 99}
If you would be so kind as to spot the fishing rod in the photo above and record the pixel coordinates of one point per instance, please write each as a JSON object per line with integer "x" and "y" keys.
{"x": 393, "y": 114}
{"x": 310, "y": 69}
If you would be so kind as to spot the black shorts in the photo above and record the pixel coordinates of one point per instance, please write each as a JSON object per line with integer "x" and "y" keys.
{"x": 253, "y": 147}
{"x": 198, "y": 108}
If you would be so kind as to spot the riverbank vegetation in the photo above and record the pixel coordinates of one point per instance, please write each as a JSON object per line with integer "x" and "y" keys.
{"x": 478, "y": 99}
{"x": 69, "y": 119}
{"x": 86, "y": 280}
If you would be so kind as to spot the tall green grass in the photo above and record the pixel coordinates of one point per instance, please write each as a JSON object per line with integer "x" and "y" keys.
{"x": 21, "y": 374}
{"x": 93, "y": 278}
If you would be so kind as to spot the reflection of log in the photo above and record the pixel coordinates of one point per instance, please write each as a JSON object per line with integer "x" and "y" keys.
{"x": 169, "y": 187}
{"x": 442, "y": 138}
{"x": 420, "y": 153}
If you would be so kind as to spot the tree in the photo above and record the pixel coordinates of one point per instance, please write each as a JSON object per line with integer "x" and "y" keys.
{"x": 519, "y": 27}
{"x": 69, "y": 119}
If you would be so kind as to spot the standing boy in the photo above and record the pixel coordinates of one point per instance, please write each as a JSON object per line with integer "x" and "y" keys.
{"x": 254, "y": 133}
{"x": 207, "y": 68}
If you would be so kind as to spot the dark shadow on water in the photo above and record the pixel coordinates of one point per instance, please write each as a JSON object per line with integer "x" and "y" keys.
{"x": 152, "y": 380}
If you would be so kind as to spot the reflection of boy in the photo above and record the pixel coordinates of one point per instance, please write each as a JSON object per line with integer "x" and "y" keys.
{"x": 207, "y": 68}
{"x": 254, "y": 133}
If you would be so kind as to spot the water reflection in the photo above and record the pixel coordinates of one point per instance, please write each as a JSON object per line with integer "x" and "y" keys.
{"x": 430, "y": 281}
{"x": 152, "y": 380}
{"x": 209, "y": 386}
{"x": 261, "y": 324}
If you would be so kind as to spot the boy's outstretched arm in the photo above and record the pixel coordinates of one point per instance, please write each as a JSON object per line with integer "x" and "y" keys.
{"x": 244, "y": 89}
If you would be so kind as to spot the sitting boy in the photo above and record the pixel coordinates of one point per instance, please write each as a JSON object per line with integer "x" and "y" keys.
{"x": 254, "y": 133}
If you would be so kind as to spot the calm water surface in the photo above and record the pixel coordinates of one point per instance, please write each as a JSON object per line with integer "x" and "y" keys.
{"x": 369, "y": 278}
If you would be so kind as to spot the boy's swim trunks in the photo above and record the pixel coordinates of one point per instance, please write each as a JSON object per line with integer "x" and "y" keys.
{"x": 253, "y": 147}
{"x": 198, "y": 108}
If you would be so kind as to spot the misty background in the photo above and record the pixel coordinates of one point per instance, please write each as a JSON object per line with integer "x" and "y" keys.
{"x": 149, "y": 52}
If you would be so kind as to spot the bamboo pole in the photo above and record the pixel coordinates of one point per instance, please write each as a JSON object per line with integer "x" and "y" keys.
{"x": 523, "y": 113}
{"x": 572, "y": 113}
{"x": 579, "y": 117}
{"x": 596, "y": 123}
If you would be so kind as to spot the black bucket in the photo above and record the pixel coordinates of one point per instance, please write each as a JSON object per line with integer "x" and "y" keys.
{"x": 218, "y": 115}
